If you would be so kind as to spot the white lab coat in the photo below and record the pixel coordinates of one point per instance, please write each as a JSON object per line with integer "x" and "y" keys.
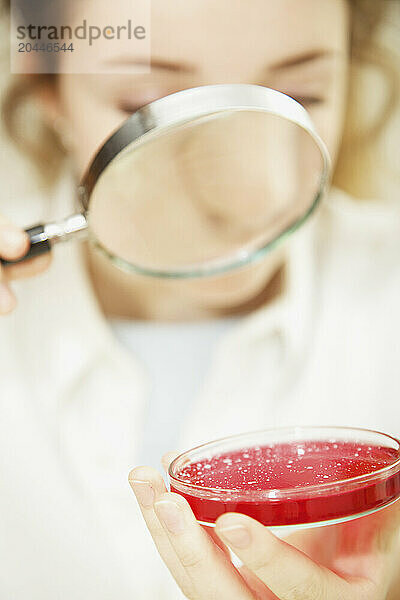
{"x": 72, "y": 400}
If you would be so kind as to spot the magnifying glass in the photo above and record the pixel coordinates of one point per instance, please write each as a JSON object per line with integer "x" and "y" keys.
{"x": 198, "y": 183}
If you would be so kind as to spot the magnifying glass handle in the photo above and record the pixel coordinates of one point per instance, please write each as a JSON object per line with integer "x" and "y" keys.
{"x": 43, "y": 237}
{"x": 40, "y": 244}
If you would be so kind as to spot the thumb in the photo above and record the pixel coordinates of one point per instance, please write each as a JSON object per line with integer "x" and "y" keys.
{"x": 287, "y": 572}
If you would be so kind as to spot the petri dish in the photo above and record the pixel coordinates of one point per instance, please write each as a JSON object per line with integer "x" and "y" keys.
{"x": 292, "y": 477}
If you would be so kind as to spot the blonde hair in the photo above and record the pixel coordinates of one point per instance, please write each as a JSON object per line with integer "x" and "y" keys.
{"x": 363, "y": 164}
{"x": 358, "y": 160}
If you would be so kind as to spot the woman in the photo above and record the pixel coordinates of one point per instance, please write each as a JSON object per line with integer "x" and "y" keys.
{"x": 309, "y": 336}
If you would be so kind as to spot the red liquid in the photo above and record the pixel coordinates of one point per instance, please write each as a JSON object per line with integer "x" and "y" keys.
{"x": 287, "y": 467}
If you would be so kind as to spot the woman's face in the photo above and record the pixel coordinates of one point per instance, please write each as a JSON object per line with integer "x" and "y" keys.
{"x": 299, "y": 47}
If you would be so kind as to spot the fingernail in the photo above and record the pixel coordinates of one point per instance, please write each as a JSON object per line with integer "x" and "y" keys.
{"x": 236, "y": 535}
{"x": 13, "y": 239}
{"x": 144, "y": 492}
{"x": 7, "y": 300}
{"x": 171, "y": 516}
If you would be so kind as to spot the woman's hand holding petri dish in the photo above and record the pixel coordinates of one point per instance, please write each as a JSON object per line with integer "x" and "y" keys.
{"x": 327, "y": 518}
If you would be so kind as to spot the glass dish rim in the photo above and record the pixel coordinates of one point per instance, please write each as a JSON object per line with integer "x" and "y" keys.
{"x": 286, "y": 493}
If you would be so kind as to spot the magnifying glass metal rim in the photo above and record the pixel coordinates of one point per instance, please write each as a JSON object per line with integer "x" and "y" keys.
{"x": 184, "y": 107}
{"x": 159, "y": 117}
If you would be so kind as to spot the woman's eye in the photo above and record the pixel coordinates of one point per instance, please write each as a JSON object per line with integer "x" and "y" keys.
{"x": 129, "y": 109}
{"x": 130, "y": 103}
{"x": 308, "y": 101}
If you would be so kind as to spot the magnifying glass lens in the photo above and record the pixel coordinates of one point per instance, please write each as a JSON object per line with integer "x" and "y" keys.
{"x": 207, "y": 194}
{"x": 199, "y": 183}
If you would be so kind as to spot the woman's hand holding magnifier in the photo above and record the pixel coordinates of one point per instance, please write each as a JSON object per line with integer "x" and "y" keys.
{"x": 14, "y": 244}
{"x": 273, "y": 569}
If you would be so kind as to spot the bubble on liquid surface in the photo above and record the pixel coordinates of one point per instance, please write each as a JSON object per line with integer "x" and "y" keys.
{"x": 288, "y": 465}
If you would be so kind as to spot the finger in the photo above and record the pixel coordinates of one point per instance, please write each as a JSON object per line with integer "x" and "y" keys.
{"x": 14, "y": 242}
{"x": 286, "y": 571}
{"x": 8, "y": 301}
{"x": 167, "y": 459}
{"x": 216, "y": 540}
{"x": 210, "y": 572}
{"x": 29, "y": 268}
{"x": 259, "y": 589}
{"x": 148, "y": 485}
